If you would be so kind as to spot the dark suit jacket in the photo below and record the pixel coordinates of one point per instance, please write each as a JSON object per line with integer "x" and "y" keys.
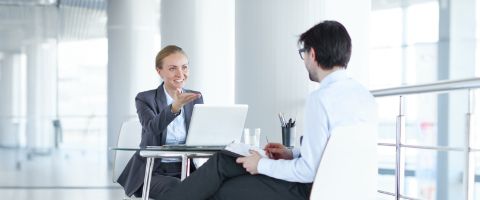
{"x": 154, "y": 115}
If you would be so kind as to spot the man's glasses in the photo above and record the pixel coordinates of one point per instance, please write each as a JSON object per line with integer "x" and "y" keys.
{"x": 301, "y": 52}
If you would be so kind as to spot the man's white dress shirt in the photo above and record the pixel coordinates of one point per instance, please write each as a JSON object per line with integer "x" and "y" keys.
{"x": 339, "y": 101}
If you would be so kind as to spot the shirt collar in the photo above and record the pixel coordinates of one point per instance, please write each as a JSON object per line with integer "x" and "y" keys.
{"x": 335, "y": 76}
{"x": 168, "y": 97}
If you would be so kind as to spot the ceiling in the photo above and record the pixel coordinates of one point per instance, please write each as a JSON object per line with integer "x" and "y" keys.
{"x": 23, "y": 21}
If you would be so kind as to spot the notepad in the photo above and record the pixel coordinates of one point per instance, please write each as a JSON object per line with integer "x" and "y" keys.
{"x": 183, "y": 147}
{"x": 242, "y": 150}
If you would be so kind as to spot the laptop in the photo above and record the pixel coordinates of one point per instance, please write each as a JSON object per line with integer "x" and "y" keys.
{"x": 212, "y": 127}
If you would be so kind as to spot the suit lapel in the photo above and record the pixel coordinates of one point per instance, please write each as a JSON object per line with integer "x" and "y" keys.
{"x": 161, "y": 101}
{"x": 188, "y": 114}
{"x": 160, "y": 98}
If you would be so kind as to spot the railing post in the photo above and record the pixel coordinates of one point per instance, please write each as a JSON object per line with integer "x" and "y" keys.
{"x": 400, "y": 157}
{"x": 469, "y": 172}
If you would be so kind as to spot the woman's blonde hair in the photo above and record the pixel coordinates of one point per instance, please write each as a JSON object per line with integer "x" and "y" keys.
{"x": 166, "y": 51}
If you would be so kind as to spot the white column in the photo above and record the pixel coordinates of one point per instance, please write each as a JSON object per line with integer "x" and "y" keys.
{"x": 462, "y": 44}
{"x": 41, "y": 94}
{"x": 8, "y": 133}
{"x": 270, "y": 76}
{"x": 131, "y": 58}
{"x": 206, "y": 31}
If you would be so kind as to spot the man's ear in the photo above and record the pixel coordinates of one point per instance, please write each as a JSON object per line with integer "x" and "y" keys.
{"x": 313, "y": 59}
{"x": 312, "y": 53}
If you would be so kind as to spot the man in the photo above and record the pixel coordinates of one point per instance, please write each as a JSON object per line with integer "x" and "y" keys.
{"x": 288, "y": 174}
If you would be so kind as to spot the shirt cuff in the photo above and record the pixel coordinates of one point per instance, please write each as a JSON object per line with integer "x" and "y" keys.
{"x": 175, "y": 114}
{"x": 296, "y": 152}
{"x": 264, "y": 166}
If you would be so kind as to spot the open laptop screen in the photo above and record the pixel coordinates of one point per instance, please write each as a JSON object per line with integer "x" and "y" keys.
{"x": 216, "y": 124}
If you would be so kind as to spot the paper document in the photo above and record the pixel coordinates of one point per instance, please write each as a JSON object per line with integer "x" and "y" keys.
{"x": 241, "y": 150}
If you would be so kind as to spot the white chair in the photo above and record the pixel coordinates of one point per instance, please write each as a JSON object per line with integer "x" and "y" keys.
{"x": 348, "y": 168}
{"x": 129, "y": 137}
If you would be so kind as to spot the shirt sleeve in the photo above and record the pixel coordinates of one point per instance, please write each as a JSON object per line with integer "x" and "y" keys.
{"x": 316, "y": 133}
{"x": 296, "y": 152}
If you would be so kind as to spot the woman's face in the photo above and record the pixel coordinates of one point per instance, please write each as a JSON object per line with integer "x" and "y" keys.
{"x": 174, "y": 71}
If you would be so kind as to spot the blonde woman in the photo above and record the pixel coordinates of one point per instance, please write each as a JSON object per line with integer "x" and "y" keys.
{"x": 165, "y": 115}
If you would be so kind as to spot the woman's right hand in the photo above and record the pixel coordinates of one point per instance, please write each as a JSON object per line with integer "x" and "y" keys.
{"x": 278, "y": 151}
{"x": 181, "y": 98}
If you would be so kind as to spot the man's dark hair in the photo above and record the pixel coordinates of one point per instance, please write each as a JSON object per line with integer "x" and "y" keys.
{"x": 331, "y": 42}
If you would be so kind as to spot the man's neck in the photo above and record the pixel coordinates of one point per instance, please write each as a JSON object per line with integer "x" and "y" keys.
{"x": 324, "y": 73}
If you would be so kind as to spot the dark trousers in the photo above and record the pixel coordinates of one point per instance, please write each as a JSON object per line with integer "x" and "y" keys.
{"x": 222, "y": 178}
{"x": 164, "y": 178}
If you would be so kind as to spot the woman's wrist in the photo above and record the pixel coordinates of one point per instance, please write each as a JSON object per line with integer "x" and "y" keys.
{"x": 175, "y": 108}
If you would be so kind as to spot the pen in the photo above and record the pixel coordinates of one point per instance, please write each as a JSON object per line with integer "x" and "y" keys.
{"x": 270, "y": 155}
{"x": 280, "y": 117}
{"x": 283, "y": 119}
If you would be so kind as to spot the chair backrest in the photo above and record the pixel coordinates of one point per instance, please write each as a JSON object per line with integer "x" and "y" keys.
{"x": 129, "y": 137}
{"x": 348, "y": 168}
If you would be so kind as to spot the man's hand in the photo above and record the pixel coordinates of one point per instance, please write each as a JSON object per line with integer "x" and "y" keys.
{"x": 181, "y": 98}
{"x": 278, "y": 151}
{"x": 250, "y": 162}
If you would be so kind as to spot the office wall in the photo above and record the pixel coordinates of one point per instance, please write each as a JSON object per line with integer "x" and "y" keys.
{"x": 270, "y": 76}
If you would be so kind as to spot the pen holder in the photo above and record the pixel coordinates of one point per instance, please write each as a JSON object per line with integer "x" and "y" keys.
{"x": 288, "y": 136}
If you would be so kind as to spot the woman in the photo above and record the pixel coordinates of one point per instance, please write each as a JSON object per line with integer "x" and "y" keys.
{"x": 165, "y": 115}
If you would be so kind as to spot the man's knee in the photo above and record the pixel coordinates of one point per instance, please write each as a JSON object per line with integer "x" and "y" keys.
{"x": 162, "y": 185}
{"x": 220, "y": 159}
{"x": 235, "y": 188}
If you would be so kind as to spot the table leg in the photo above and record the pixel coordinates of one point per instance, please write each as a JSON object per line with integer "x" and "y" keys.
{"x": 189, "y": 162}
{"x": 147, "y": 179}
{"x": 184, "y": 167}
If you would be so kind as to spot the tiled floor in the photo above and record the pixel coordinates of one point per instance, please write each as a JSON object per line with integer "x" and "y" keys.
{"x": 60, "y": 194}
{"x": 62, "y": 174}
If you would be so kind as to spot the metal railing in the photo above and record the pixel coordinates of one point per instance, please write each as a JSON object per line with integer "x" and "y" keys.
{"x": 84, "y": 124}
{"x": 441, "y": 86}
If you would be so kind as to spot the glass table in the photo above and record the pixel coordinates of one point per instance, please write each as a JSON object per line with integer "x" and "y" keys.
{"x": 152, "y": 152}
